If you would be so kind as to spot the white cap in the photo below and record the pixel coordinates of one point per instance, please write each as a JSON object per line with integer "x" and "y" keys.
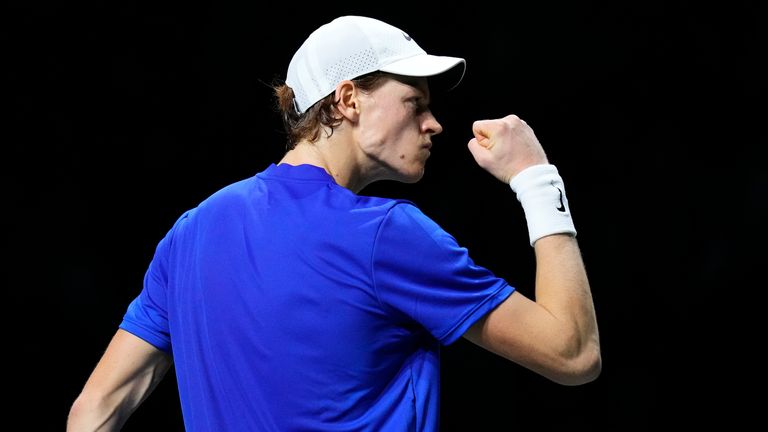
{"x": 351, "y": 46}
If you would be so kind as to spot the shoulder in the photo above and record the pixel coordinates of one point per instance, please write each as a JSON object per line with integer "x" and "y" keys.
{"x": 406, "y": 225}
{"x": 228, "y": 200}
{"x": 222, "y": 200}
{"x": 231, "y": 193}
{"x": 406, "y": 215}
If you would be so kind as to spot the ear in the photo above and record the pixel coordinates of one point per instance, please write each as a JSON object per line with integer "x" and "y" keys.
{"x": 347, "y": 103}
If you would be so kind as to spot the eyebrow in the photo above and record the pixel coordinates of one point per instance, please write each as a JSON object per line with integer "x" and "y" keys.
{"x": 415, "y": 83}
{"x": 420, "y": 98}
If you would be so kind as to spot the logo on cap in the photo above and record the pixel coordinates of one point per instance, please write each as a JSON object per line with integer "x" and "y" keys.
{"x": 408, "y": 38}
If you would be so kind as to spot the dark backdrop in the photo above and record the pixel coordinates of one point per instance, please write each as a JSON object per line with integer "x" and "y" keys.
{"x": 123, "y": 116}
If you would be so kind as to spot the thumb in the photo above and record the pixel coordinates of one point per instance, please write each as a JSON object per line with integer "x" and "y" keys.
{"x": 483, "y": 130}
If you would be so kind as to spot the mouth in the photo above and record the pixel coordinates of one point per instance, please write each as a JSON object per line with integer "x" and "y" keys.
{"x": 427, "y": 147}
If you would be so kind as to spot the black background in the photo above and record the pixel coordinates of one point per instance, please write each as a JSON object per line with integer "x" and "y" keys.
{"x": 123, "y": 116}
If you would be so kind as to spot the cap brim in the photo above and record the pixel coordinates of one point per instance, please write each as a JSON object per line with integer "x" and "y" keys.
{"x": 427, "y": 65}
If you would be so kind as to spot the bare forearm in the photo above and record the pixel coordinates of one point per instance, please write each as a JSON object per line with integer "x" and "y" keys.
{"x": 563, "y": 289}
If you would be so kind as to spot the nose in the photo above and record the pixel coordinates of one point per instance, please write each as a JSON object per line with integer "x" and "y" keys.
{"x": 430, "y": 125}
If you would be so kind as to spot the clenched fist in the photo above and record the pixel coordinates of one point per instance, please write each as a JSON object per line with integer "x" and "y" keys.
{"x": 506, "y": 146}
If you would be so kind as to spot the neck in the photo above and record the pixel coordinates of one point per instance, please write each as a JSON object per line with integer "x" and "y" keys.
{"x": 336, "y": 156}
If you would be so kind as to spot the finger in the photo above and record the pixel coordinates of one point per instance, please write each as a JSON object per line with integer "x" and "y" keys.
{"x": 483, "y": 135}
{"x": 479, "y": 152}
{"x": 483, "y": 128}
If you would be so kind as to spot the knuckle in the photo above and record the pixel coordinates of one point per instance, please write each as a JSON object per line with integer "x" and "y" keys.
{"x": 511, "y": 122}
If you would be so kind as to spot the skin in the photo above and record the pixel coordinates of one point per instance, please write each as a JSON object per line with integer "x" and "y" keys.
{"x": 556, "y": 335}
{"x": 386, "y": 135}
{"x": 126, "y": 374}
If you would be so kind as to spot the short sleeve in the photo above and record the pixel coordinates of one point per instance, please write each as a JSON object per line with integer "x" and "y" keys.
{"x": 420, "y": 271}
{"x": 147, "y": 315}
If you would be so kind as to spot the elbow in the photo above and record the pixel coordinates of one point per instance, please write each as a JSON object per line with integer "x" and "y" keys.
{"x": 586, "y": 369}
{"x": 579, "y": 369}
{"x": 90, "y": 414}
{"x": 78, "y": 414}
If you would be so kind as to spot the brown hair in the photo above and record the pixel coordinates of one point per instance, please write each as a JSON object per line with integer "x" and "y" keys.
{"x": 322, "y": 114}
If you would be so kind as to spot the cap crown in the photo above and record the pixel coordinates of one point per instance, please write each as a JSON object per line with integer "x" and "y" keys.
{"x": 345, "y": 48}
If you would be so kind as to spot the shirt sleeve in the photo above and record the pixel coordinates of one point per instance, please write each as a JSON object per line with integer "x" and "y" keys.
{"x": 147, "y": 315}
{"x": 422, "y": 274}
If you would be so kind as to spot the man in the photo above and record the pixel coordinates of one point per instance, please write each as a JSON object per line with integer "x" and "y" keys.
{"x": 289, "y": 302}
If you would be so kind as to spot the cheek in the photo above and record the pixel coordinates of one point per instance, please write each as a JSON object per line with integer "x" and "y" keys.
{"x": 372, "y": 141}
{"x": 386, "y": 132}
{"x": 392, "y": 133}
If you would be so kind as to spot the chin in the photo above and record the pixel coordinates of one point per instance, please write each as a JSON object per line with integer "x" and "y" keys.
{"x": 407, "y": 174}
{"x": 413, "y": 177}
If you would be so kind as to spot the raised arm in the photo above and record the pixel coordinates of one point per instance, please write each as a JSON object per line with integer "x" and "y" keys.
{"x": 556, "y": 335}
{"x": 126, "y": 374}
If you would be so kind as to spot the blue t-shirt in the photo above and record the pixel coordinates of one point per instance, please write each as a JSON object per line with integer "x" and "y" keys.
{"x": 289, "y": 303}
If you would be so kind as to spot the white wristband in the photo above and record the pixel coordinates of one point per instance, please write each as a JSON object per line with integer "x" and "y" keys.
{"x": 540, "y": 190}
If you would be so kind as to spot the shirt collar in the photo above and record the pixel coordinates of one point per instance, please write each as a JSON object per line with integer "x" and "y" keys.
{"x": 298, "y": 172}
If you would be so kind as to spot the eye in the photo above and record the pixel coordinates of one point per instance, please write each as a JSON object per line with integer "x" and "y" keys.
{"x": 418, "y": 105}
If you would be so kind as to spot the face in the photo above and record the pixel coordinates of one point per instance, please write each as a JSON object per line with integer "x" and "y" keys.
{"x": 396, "y": 127}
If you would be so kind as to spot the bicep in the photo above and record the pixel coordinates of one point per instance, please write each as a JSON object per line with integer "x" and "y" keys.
{"x": 522, "y": 331}
{"x": 128, "y": 371}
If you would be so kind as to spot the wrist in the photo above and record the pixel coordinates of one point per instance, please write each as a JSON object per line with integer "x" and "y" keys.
{"x": 541, "y": 192}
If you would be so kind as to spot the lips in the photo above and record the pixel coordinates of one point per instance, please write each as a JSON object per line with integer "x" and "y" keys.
{"x": 426, "y": 147}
